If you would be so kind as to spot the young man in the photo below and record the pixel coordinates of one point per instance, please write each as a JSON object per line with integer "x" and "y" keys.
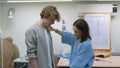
{"x": 39, "y": 40}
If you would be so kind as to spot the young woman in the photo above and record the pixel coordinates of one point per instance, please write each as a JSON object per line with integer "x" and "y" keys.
{"x": 82, "y": 54}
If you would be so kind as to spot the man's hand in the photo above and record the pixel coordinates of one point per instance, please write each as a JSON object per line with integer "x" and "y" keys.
{"x": 34, "y": 63}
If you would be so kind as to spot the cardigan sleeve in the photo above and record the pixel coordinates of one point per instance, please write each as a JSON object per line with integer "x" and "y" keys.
{"x": 30, "y": 40}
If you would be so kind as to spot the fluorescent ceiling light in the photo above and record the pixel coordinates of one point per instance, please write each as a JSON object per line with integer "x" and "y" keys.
{"x": 14, "y": 1}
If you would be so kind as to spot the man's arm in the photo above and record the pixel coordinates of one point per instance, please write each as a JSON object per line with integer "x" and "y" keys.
{"x": 30, "y": 41}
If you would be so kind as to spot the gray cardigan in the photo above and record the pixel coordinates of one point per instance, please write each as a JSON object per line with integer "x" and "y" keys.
{"x": 37, "y": 45}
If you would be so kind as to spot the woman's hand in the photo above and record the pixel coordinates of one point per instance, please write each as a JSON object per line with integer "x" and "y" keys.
{"x": 55, "y": 30}
{"x": 51, "y": 28}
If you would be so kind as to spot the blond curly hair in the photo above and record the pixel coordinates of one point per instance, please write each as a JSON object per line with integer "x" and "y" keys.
{"x": 50, "y": 11}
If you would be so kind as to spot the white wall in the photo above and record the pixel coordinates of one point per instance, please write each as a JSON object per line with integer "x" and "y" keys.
{"x": 115, "y": 27}
{"x": 0, "y": 16}
{"x": 27, "y": 14}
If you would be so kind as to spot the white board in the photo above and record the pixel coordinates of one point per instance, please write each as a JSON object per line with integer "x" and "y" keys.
{"x": 99, "y": 30}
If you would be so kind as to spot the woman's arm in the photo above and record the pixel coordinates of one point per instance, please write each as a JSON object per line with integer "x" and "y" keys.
{"x": 56, "y": 30}
{"x": 66, "y": 37}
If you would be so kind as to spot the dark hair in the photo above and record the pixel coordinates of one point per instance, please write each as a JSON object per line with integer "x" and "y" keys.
{"x": 82, "y": 25}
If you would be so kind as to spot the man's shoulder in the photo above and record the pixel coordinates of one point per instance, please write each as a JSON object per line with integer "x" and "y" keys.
{"x": 32, "y": 28}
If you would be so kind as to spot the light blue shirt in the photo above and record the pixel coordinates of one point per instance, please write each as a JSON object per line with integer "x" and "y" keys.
{"x": 48, "y": 48}
{"x": 82, "y": 55}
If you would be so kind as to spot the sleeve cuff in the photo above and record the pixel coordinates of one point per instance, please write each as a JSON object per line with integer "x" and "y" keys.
{"x": 31, "y": 55}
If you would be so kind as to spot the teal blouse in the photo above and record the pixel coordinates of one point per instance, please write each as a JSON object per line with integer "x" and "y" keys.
{"x": 82, "y": 54}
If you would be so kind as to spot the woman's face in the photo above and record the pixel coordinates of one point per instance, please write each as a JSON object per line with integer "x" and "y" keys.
{"x": 77, "y": 32}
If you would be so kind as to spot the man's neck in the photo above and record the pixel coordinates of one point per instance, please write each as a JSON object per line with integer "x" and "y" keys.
{"x": 43, "y": 24}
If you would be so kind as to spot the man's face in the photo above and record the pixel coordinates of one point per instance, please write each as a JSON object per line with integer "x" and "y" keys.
{"x": 50, "y": 21}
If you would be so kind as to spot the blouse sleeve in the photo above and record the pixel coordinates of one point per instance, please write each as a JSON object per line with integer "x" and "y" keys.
{"x": 30, "y": 40}
{"x": 68, "y": 38}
